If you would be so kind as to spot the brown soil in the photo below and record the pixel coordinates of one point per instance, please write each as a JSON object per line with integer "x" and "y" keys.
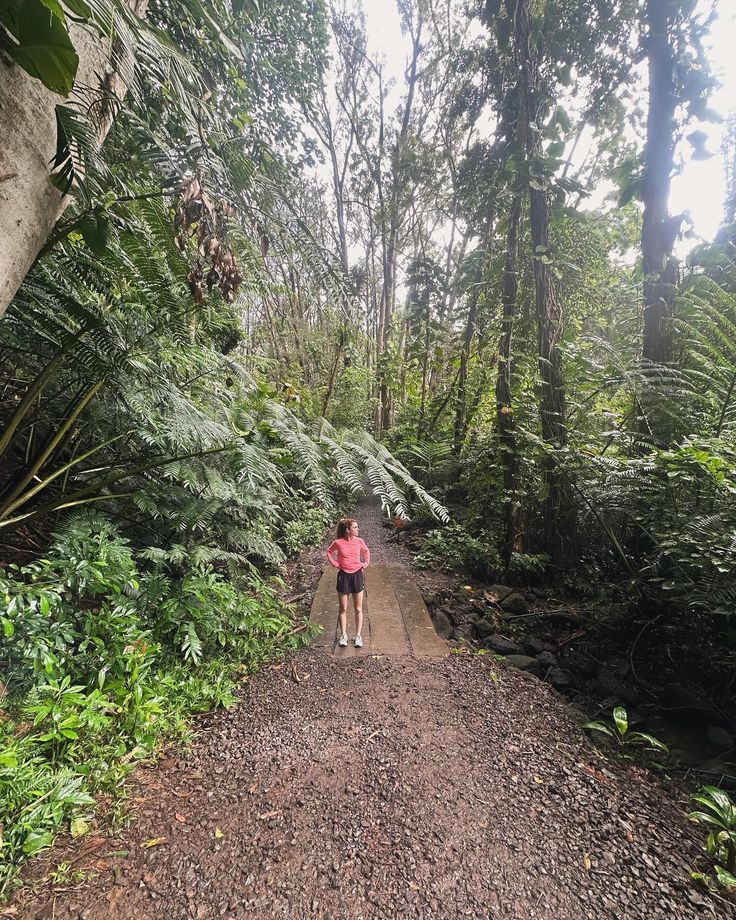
{"x": 383, "y": 788}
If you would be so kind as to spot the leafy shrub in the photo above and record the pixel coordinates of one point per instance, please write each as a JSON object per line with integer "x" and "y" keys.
{"x": 454, "y": 546}
{"x": 718, "y": 812}
{"x": 36, "y": 798}
{"x": 528, "y": 567}
{"x": 105, "y": 662}
{"x": 621, "y": 733}
{"x": 307, "y": 529}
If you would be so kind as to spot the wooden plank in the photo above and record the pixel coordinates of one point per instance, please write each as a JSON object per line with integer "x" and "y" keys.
{"x": 388, "y": 636}
{"x": 395, "y": 618}
{"x": 424, "y": 641}
{"x": 324, "y": 610}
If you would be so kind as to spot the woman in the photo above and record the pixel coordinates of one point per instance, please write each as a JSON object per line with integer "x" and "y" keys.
{"x": 349, "y": 555}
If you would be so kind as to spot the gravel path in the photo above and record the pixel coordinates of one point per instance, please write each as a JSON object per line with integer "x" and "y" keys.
{"x": 384, "y": 788}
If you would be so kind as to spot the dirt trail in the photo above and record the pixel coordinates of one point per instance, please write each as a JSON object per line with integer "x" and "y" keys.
{"x": 378, "y": 787}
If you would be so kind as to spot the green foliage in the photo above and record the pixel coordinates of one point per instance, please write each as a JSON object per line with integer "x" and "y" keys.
{"x": 455, "y": 546}
{"x": 307, "y": 528}
{"x": 36, "y": 799}
{"x": 42, "y": 45}
{"x": 621, "y": 733}
{"x": 717, "y": 812}
{"x": 104, "y": 662}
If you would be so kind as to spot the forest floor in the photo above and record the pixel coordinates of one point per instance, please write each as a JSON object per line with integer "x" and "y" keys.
{"x": 384, "y": 787}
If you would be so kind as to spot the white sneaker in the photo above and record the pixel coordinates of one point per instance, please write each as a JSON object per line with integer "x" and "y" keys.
{"x": 343, "y": 640}
{"x": 358, "y": 641}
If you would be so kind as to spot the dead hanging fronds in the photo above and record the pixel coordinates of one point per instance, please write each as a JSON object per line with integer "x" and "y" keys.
{"x": 200, "y": 218}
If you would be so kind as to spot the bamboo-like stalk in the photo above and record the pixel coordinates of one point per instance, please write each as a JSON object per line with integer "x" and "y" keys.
{"x": 65, "y": 469}
{"x": 23, "y": 407}
{"x": 8, "y": 502}
{"x": 89, "y": 493}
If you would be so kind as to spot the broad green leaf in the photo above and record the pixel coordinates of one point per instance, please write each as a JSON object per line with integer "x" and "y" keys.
{"x": 598, "y": 727}
{"x": 631, "y": 188}
{"x": 8, "y": 759}
{"x": 95, "y": 228}
{"x": 55, "y": 7}
{"x": 38, "y": 840}
{"x": 725, "y": 877}
{"x": 721, "y": 798}
{"x": 79, "y": 8}
{"x": 650, "y": 740}
{"x": 45, "y": 50}
{"x": 701, "y": 817}
{"x": 9, "y": 15}
{"x": 621, "y": 719}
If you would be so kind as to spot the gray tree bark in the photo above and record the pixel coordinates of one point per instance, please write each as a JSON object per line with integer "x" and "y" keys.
{"x": 30, "y": 204}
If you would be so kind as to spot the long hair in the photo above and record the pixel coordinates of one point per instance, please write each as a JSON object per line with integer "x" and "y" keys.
{"x": 343, "y": 528}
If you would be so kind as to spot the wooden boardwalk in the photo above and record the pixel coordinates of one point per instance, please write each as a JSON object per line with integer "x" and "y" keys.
{"x": 395, "y": 618}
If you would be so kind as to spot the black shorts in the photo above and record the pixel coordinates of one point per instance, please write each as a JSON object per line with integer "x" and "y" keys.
{"x": 350, "y": 582}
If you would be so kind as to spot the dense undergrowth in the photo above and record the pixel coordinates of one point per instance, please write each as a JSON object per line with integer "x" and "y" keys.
{"x": 105, "y": 661}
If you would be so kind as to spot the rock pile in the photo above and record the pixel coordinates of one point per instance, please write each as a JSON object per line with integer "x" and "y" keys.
{"x": 490, "y": 618}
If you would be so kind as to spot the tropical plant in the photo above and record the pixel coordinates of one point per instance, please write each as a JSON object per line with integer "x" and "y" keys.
{"x": 474, "y": 552}
{"x": 104, "y": 661}
{"x": 621, "y": 733}
{"x": 717, "y": 812}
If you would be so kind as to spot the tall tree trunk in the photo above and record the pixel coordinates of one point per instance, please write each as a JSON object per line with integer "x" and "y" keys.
{"x": 658, "y": 228}
{"x": 558, "y": 505}
{"x": 425, "y": 370}
{"x": 462, "y": 378}
{"x": 30, "y": 204}
{"x": 390, "y": 223}
{"x": 333, "y": 372}
{"x": 513, "y": 538}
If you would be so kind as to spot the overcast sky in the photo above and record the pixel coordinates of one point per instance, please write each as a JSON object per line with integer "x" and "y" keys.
{"x": 700, "y": 189}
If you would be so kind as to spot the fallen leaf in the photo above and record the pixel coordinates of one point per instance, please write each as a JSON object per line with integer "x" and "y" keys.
{"x": 155, "y": 842}
{"x": 268, "y": 814}
{"x": 538, "y": 780}
{"x": 586, "y": 862}
{"x": 252, "y": 788}
{"x": 594, "y": 773}
{"x": 180, "y": 818}
{"x": 79, "y": 827}
{"x": 295, "y": 673}
{"x": 218, "y": 833}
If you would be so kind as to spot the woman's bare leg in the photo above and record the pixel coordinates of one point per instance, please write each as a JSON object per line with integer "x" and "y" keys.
{"x": 343, "y": 598}
{"x": 358, "y": 605}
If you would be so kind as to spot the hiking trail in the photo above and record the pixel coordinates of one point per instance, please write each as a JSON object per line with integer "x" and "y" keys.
{"x": 392, "y": 781}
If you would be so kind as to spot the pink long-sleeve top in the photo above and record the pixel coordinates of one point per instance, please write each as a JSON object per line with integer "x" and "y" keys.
{"x": 351, "y": 554}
